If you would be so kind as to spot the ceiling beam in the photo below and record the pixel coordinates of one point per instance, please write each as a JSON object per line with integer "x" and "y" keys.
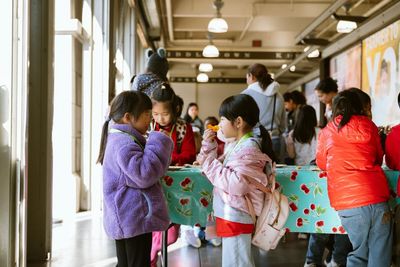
{"x": 306, "y": 78}
{"x": 369, "y": 27}
{"x": 298, "y": 59}
{"x": 237, "y": 24}
{"x": 226, "y": 55}
{"x": 319, "y": 19}
{"x": 237, "y": 9}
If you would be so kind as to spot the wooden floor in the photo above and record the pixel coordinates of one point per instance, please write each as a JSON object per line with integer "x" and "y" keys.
{"x": 84, "y": 244}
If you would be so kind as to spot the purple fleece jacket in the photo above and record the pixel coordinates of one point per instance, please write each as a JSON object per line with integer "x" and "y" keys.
{"x": 134, "y": 203}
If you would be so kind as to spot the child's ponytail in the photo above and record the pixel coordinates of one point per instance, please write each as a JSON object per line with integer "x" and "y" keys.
{"x": 266, "y": 143}
{"x": 347, "y": 104}
{"x": 132, "y": 102}
{"x": 103, "y": 142}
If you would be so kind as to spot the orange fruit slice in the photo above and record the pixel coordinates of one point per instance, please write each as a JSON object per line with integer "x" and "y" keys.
{"x": 213, "y": 128}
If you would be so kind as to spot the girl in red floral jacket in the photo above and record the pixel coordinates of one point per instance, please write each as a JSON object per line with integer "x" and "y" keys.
{"x": 166, "y": 119}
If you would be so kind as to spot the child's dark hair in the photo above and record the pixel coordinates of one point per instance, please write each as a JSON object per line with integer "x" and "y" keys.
{"x": 132, "y": 102}
{"x": 165, "y": 94}
{"x": 327, "y": 85}
{"x": 347, "y": 104}
{"x": 180, "y": 103}
{"x": 211, "y": 119}
{"x": 364, "y": 98}
{"x": 304, "y": 127}
{"x": 246, "y": 107}
{"x": 398, "y": 100}
{"x": 261, "y": 73}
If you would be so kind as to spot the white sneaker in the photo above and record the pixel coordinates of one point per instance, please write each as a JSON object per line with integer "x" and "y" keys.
{"x": 302, "y": 236}
{"x": 332, "y": 263}
{"x": 216, "y": 242}
{"x": 310, "y": 264}
{"x": 189, "y": 237}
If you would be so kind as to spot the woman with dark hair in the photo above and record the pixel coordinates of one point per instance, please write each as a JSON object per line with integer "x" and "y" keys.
{"x": 265, "y": 91}
{"x": 349, "y": 149}
{"x": 301, "y": 143}
{"x": 192, "y": 117}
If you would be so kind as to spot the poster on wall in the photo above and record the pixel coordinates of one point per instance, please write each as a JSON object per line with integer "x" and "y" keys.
{"x": 345, "y": 68}
{"x": 381, "y": 73}
{"x": 311, "y": 96}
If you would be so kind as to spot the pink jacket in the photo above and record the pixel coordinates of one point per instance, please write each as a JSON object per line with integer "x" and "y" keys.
{"x": 228, "y": 180}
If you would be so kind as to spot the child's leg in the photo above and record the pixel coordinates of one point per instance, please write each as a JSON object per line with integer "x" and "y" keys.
{"x": 316, "y": 248}
{"x": 380, "y": 236}
{"x": 121, "y": 252}
{"x": 134, "y": 251}
{"x": 236, "y": 251}
{"x": 211, "y": 235}
{"x": 357, "y": 223}
{"x": 341, "y": 248}
{"x": 173, "y": 233}
{"x": 188, "y": 235}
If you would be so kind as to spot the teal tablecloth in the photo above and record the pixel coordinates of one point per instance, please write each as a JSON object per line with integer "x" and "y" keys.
{"x": 189, "y": 197}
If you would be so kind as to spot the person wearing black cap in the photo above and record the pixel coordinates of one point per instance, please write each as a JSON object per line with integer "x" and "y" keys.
{"x": 156, "y": 72}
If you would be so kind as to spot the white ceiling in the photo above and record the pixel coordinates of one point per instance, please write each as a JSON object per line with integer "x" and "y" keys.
{"x": 275, "y": 23}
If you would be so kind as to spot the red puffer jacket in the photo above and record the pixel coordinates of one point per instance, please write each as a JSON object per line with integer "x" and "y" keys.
{"x": 352, "y": 158}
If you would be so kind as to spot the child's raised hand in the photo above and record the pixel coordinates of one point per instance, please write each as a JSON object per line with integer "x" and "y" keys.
{"x": 209, "y": 135}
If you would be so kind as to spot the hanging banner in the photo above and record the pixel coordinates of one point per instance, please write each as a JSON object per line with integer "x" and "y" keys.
{"x": 345, "y": 68}
{"x": 381, "y": 73}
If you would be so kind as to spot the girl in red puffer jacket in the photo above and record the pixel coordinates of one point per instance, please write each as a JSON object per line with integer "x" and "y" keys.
{"x": 349, "y": 150}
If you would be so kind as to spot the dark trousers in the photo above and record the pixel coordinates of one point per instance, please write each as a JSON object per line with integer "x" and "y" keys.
{"x": 134, "y": 251}
{"x": 318, "y": 242}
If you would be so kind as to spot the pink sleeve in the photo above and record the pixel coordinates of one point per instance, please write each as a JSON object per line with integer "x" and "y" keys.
{"x": 208, "y": 149}
{"x": 224, "y": 178}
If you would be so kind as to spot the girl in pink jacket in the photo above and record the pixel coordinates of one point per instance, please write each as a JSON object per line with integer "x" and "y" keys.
{"x": 247, "y": 156}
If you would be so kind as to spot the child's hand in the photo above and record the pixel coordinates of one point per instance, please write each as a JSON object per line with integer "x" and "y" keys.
{"x": 209, "y": 135}
{"x": 164, "y": 132}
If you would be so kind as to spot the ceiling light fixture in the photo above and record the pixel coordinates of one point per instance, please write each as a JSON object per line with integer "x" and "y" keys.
{"x": 210, "y": 50}
{"x": 218, "y": 24}
{"x": 306, "y": 48}
{"x": 292, "y": 68}
{"x": 205, "y": 67}
{"x": 202, "y": 78}
{"x": 284, "y": 66}
{"x": 314, "y": 54}
{"x": 347, "y": 23}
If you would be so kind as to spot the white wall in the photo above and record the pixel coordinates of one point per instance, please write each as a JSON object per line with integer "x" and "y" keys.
{"x": 208, "y": 96}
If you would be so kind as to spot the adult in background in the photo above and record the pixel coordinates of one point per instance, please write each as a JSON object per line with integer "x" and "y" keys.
{"x": 293, "y": 101}
{"x": 326, "y": 90}
{"x": 265, "y": 91}
{"x": 192, "y": 117}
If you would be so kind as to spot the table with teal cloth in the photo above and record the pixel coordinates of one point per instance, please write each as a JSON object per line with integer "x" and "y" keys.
{"x": 189, "y": 198}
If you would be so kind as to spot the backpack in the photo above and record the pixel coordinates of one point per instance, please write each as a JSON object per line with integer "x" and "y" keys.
{"x": 269, "y": 226}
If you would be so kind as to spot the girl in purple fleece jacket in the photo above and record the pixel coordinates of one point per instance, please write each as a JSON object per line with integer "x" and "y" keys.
{"x": 134, "y": 204}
